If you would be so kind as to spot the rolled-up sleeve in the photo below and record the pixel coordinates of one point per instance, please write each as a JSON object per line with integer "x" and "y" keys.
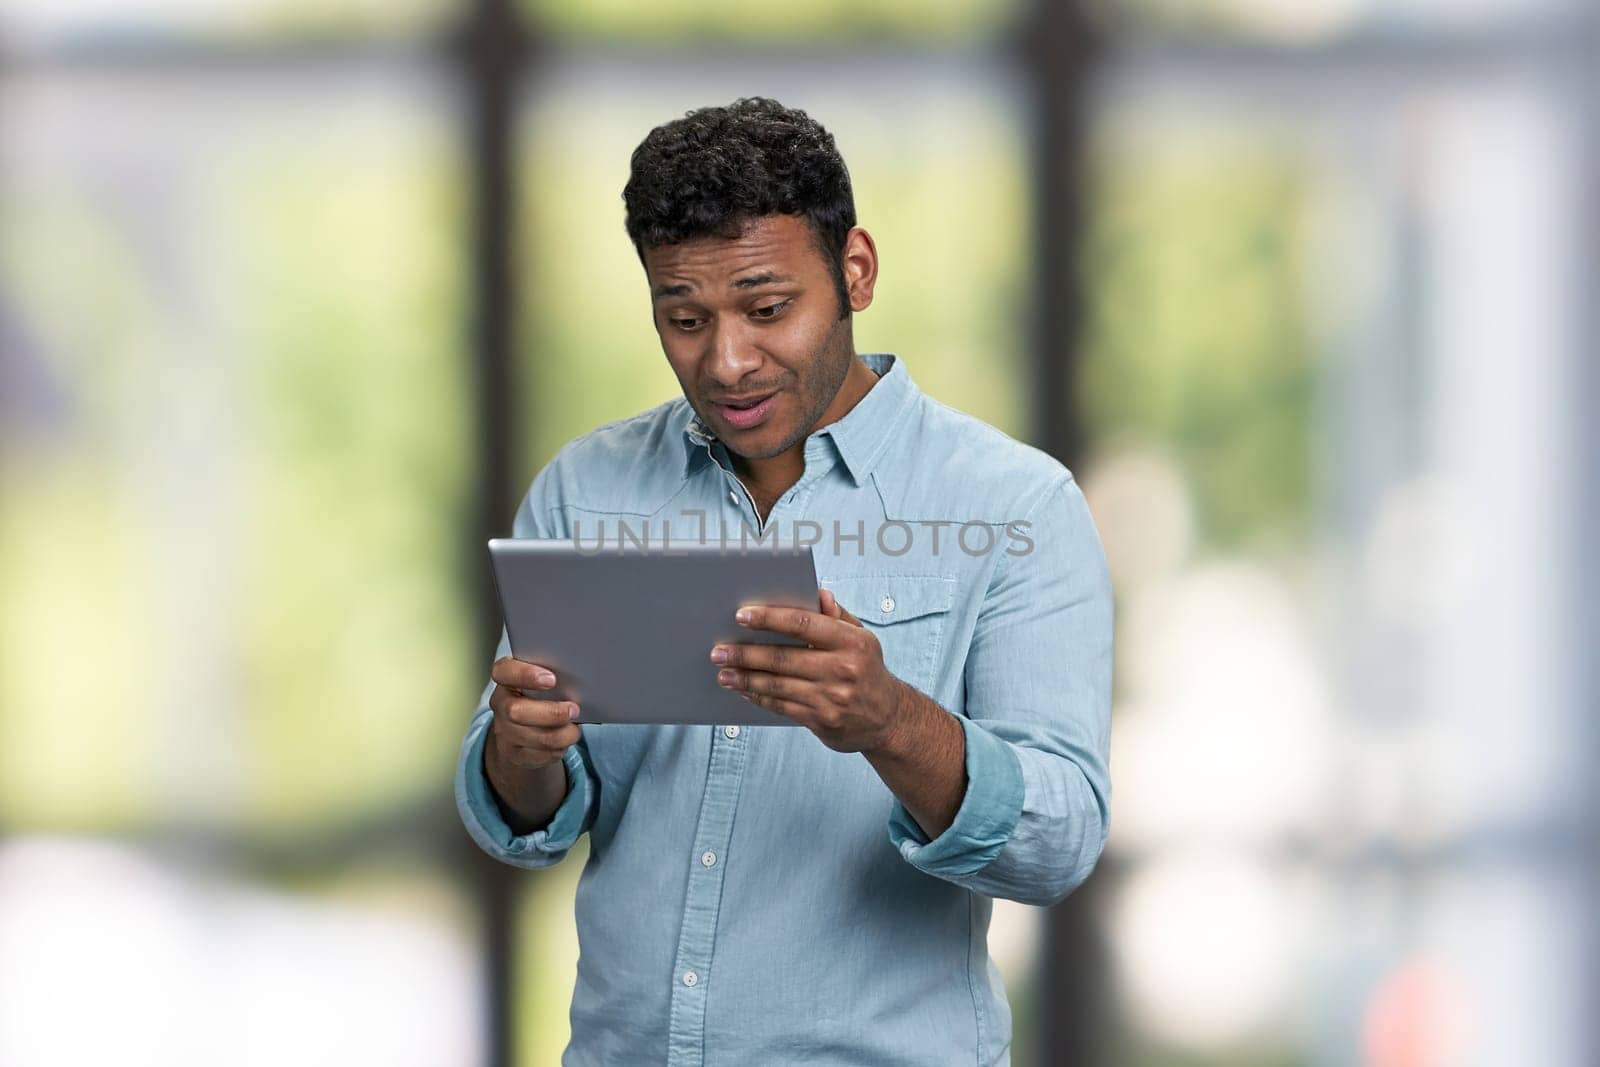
{"x": 1033, "y": 820}
{"x": 479, "y": 811}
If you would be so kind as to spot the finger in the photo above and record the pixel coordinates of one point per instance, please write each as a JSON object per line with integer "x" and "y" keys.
{"x": 778, "y": 659}
{"x": 764, "y": 683}
{"x": 814, "y": 628}
{"x": 546, "y": 713}
{"x": 541, "y": 739}
{"x": 519, "y": 674}
{"x": 504, "y": 696}
{"x": 835, "y": 610}
{"x": 789, "y": 709}
{"x": 540, "y": 751}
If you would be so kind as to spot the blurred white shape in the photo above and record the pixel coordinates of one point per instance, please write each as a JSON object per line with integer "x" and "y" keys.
{"x": 1510, "y": 945}
{"x": 107, "y": 956}
{"x": 1014, "y": 933}
{"x": 1508, "y": 327}
{"x": 1226, "y": 733}
{"x": 1296, "y": 20}
{"x": 1307, "y": 21}
{"x": 1418, "y": 563}
{"x": 1142, "y": 508}
{"x": 1207, "y": 949}
{"x": 1499, "y": 200}
{"x": 1381, "y": 795}
{"x": 1475, "y": 14}
{"x": 35, "y": 24}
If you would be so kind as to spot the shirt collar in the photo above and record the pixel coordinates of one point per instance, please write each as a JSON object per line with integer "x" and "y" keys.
{"x": 860, "y": 438}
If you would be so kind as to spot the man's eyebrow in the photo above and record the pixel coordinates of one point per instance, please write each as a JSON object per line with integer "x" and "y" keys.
{"x": 752, "y": 281}
{"x": 661, "y": 291}
{"x": 755, "y": 280}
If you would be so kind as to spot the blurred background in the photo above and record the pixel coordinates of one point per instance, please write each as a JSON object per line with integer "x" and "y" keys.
{"x": 296, "y": 297}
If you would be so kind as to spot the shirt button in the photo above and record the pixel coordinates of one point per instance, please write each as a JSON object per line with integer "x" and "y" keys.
{"x": 691, "y": 979}
{"x": 733, "y": 497}
{"x": 888, "y": 604}
{"x": 708, "y": 859}
{"x": 730, "y": 732}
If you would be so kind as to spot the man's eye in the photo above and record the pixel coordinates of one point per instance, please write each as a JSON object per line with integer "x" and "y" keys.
{"x": 771, "y": 311}
{"x": 685, "y": 324}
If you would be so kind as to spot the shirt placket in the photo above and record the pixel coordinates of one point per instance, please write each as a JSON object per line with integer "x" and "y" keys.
{"x": 739, "y": 496}
{"x": 692, "y": 967}
{"x": 692, "y": 964}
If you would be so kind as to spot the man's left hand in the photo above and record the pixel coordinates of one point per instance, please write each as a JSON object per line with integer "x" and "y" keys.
{"x": 837, "y": 686}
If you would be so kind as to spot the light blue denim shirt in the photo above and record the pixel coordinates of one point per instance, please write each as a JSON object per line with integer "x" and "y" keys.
{"x": 754, "y": 897}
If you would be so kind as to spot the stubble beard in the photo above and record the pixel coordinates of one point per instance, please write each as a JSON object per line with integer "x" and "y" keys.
{"x": 828, "y": 370}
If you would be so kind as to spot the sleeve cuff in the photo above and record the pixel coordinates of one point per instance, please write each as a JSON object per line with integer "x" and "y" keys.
{"x": 489, "y": 829}
{"x": 983, "y": 824}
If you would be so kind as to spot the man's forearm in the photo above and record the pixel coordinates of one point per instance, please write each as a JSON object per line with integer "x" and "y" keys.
{"x": 527, "y": 796}
{"x": 925, "y": 762}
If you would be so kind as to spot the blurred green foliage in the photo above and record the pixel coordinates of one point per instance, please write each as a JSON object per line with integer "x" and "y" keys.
{"x": 79, "y": 700}
{"x": 309, "y": 20}
{"x": 355, "y": 654}
{"x": 1199, "y": 348}
{"x": 1198, "y": 337}
{"x": 722, "y": 22}
{"x": 325, "y": 284}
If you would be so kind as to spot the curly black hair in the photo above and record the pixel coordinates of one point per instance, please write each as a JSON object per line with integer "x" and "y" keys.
{"x": 717, "y": 168}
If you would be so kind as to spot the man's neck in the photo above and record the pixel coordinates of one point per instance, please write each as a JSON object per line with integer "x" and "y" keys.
{"x": 768, "y": 479}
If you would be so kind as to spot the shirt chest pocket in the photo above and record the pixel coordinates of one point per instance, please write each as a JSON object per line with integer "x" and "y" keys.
{"x": 907, "y": 614}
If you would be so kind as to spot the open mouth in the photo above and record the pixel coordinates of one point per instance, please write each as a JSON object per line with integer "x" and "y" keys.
{"x": 748, "y": 414}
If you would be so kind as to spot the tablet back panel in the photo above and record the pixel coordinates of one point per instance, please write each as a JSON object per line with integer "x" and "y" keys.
{"x": 628, "y": 630}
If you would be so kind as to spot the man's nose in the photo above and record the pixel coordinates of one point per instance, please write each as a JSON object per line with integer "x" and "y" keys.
{"x": 731, "y": 356}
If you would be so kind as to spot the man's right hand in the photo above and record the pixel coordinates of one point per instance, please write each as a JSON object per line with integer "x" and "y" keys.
{"x": 528, "y": 731}
{"x": 527, "y": 738}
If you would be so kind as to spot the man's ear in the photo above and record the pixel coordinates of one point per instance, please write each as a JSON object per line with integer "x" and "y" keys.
{"x": 860, "y": 262}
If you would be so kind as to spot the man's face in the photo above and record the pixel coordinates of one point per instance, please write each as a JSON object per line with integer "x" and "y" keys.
{"x": 752, "y": 319}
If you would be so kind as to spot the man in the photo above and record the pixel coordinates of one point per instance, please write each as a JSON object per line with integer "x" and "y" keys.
{"x": 819, "y": 895}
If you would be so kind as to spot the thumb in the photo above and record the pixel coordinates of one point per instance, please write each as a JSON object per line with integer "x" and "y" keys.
{"x": 835, "y": 610}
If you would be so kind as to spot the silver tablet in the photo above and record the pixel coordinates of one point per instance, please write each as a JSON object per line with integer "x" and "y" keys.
{"x": 628, "y": 630}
